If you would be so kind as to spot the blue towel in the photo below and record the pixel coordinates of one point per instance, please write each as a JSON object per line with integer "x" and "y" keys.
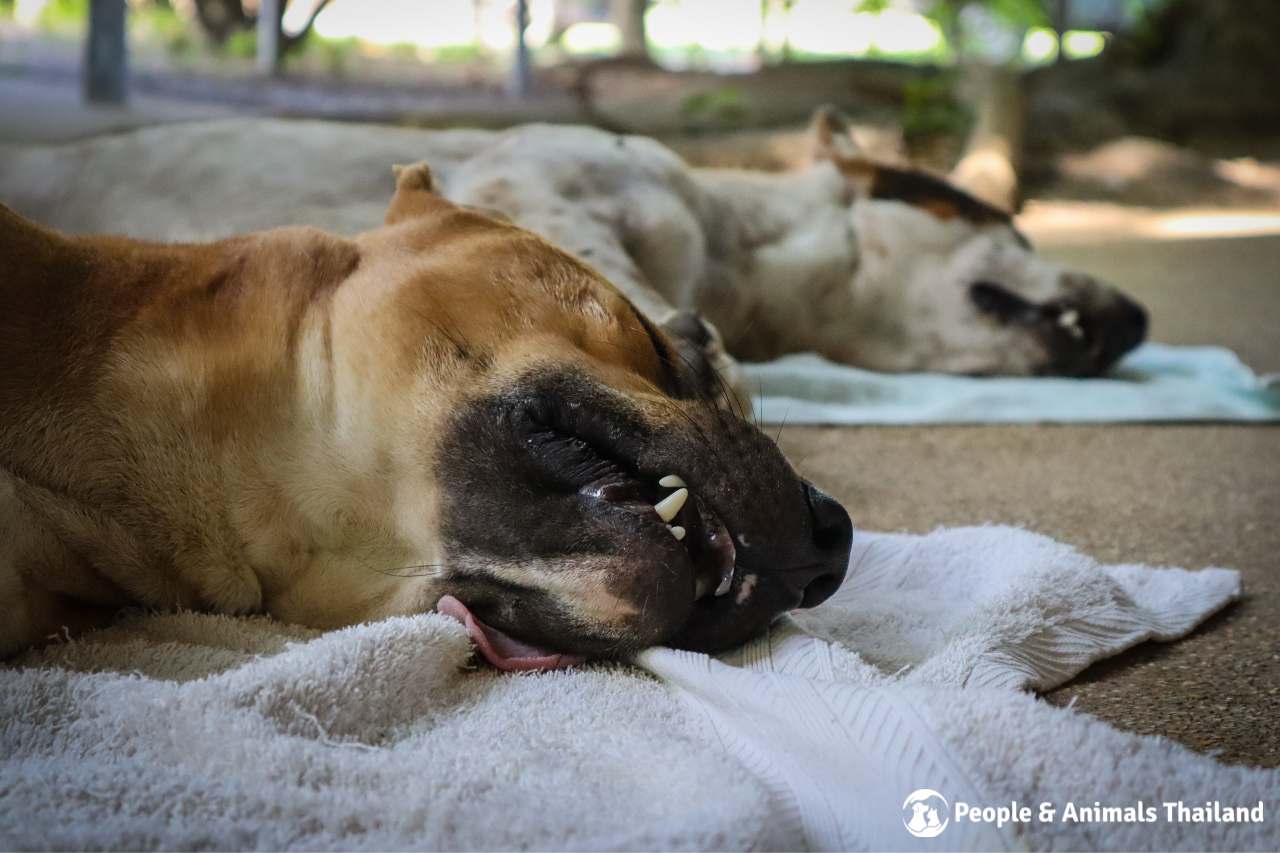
{"x": 1154, "y": 383}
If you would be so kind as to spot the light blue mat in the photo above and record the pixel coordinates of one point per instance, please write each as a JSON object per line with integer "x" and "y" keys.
{"x": 1155, "y": 382}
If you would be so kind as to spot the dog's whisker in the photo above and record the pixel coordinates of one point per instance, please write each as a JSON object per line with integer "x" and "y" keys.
{"x": 781, "y": 426}
{"x": 421, "y": 570}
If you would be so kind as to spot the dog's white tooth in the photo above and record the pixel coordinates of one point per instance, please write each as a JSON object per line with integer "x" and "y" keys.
{"x": 1070, "y": 317}
{"x": 677, "y": 531}
{"x": 726, "y": 582}
{"x": 671, "y": 481}
{"x": 701, "y": 587}
{"x": 671, "y": 504}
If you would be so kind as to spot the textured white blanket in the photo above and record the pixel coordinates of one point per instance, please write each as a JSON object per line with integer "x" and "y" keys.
{"x": 181, "y": 731}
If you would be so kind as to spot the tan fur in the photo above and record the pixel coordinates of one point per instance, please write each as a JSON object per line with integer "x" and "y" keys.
{"x": 249, "y": 425}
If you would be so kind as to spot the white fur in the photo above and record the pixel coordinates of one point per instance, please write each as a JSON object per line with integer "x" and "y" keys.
{"x": 779, "y": 263}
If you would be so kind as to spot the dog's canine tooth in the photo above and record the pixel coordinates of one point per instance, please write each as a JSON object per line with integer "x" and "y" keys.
{"x": 671, "y": 504}
{"x": 702, "y": 586}
{"x": 726, "y": 582}
{"x": 677, "y": 531}
{"x": 671, "y": 481}
{"x": 1070, "y": 320}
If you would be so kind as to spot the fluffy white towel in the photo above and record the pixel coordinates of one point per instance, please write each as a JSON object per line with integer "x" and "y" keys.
{"x": 199, "y": 731}
{"x": 1154, "y": 383}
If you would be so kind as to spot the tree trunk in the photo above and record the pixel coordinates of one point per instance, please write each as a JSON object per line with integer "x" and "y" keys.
{"x": 628, "y": 15}
{"x": 105, "y": 55}
{"x": 988, "y": 168}
{"x": 270, "y": 37}
{"x": 521, "y": 83}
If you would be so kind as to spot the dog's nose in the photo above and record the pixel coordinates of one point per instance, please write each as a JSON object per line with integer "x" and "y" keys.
{"x": 1126, "y": 327}
{"x": 822, "y": 575}
{"x": 1133, "y": 324}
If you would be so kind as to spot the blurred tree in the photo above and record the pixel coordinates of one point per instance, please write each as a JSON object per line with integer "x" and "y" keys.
{"x": 220, "y": 19}
{"x": 628, "y": 16}
{"x": 105, "y": 61}
{"x": 1186, "y": 69}
{"x": 961, "y": 22}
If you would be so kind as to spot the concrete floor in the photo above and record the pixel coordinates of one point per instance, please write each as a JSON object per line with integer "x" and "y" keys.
{"x": 34, "y": 110}
{"x": 1190, "y": 496}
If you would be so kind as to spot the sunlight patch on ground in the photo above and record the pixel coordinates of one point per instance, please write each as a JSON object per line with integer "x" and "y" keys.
{"x": 1053, "y": 223}
{"x": 1215, "y": 224}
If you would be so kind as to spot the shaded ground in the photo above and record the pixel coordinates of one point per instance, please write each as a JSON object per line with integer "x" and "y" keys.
{"x": 1189, "y": 496}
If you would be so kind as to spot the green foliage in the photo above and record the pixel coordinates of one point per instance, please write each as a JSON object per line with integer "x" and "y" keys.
{"x": 1023, "y": 14}
{"x": 157, "y": 22}
{"x": 717, "y": 107}
{"x": 459, "y": 53}
{"x": 242, "y": 44}
{"x": 334, "y": 54}
{"x": 403, "y": 51}
{"x": 63, "y": 15}
{"x": 930, "y": 108}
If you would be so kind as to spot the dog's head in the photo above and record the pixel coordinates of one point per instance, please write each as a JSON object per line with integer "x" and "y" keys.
{"x": 588, "y": 493}
{"x": 968, "y": 292}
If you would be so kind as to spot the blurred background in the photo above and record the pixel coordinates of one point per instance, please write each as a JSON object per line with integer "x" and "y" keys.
{"x": 1098, "y": 120}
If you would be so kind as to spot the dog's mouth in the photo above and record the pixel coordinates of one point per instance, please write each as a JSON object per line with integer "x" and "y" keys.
{"x": 589, "y": 528}
{"x": 682, "y": 524}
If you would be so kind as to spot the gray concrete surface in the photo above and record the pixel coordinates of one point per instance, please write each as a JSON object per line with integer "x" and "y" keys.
{"x": 1191, "y": 496}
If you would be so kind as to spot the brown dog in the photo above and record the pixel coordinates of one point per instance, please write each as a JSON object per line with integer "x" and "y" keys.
{"x": 446, "y": 411}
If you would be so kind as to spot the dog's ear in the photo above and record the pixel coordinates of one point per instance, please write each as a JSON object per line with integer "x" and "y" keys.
{"x": 831, "y": 135}
{"x": 695, "y": 342}
{"x": 831, "y": 140}
{"x": 416, "y": 193}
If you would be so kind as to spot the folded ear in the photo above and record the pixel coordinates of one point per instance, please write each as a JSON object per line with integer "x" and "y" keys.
{"x": 831, "y": 135}
{"x": 831, "y": 140}
{"x": 695, "y": 343}
{"x": 415, "y": 193}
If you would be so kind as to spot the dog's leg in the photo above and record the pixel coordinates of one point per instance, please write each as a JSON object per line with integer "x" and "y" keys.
{"x": 33, "y": 565}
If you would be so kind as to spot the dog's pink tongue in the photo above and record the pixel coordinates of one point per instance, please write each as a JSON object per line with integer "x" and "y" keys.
{"x": 502, "y": 650}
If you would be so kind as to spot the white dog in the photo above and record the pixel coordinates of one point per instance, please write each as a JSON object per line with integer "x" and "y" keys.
{"x": 869, "y": 265}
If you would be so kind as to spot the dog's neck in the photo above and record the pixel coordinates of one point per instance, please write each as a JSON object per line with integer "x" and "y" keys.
{"x": 787, "y": 270}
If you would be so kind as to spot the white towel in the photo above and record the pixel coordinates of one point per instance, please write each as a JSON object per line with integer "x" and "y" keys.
{"x": 199, "y": 731}
{"x": 1155, "y": 382}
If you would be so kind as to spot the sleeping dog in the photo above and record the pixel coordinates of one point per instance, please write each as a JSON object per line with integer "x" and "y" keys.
{"x": 445, "y": 412}
{"x": 870, "y": 265}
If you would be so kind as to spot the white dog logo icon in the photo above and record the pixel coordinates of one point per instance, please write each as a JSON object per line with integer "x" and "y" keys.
{"x": 925, "y": 813}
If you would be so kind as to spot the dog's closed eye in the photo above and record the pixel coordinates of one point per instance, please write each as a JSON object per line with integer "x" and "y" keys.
{"x": 999, "y": 302}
